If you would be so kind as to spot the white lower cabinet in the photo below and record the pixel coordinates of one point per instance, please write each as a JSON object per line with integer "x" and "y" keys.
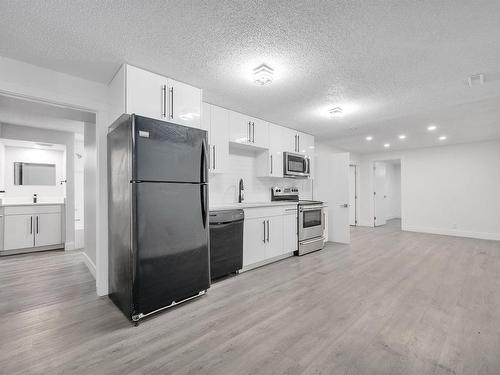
{"x": 268, "y": 233}
{"x": 18, "y": 232}
{"x": 32, "y": 227}
{"x": 290, "y": 239}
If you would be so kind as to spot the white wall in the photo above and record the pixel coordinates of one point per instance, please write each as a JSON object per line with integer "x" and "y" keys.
{"x": 33, "y": 82}
{"x": 242, "y": 164}
{"x": 450, "y": 190}
{"x": 25, "y": 193}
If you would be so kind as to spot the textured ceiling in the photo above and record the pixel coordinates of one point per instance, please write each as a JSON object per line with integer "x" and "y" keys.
{"x": 394, "y": 65}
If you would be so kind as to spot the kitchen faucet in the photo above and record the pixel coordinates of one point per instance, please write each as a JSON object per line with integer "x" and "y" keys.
{"x": 241, "y": 191}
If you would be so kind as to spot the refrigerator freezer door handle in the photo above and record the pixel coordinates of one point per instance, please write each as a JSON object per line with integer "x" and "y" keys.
{"x": 203, "y": 164}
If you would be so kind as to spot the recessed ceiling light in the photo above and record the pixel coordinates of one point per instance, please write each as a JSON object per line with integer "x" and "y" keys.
{"x": 387, "y": 145}
{"x": 442, "y": 138}
{"x": 369, "y": 138}
{"x": 432, "y": 127}
{"x": 402, "y": 136}
{"x": 263, "y": 75}
{"x": 336, "y": 112}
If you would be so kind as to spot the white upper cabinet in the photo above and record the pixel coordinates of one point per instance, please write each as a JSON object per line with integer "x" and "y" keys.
{"x": 219, "y": 139}
{"x": 294, "y": 141}
{"x": 184, "y": 104}
{"x": 270, "y": 162}
{"x": 306, "y": 143}
{"x": 215, "y": 120}
{"x": 146, "y": 93}
{"x": 248, "y": 130}
{"x": 138, "y": 91}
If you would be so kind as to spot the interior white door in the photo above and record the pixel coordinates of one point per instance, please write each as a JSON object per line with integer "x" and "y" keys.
{"x": 18, "y": 231}
{"x": 48, "y": 229}
{"x": 379, "y": 193}
{"x": 352, "y": 195}
{"x": 331, "y": 185}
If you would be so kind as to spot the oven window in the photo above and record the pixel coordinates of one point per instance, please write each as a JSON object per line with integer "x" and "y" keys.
{"x": 296, "y": 164}
{"x": 311, "y": 218}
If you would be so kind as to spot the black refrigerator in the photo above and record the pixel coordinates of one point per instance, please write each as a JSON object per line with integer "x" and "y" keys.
{"x": 157, "y": 212}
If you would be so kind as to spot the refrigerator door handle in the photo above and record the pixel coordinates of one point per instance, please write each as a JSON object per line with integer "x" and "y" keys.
{"x": 203, "y": 194}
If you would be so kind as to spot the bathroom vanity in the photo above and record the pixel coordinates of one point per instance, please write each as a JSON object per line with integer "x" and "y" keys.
{"x": 28, "y": 227}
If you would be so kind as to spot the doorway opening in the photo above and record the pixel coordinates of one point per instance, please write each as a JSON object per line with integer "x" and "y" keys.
{"x": 387, "y": 192}
{"x": 353, "y": 195}
{"x": 47, "y": 168}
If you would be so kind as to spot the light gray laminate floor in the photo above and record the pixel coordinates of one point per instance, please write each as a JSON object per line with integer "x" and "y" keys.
{"x": 391, "y": 303}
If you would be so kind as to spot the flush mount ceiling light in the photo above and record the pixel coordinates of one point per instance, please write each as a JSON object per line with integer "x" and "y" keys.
{"x": 431, "y": 128}
{"x": 402, "y": 136}
{"x": 336, "y": 112}
{"x": 387, "y": 145}
{"x": 476, "y": 80}
{"x": 369, "y": 138}
{"x": 263, "y": 75}
{"x": 442, "y": 138}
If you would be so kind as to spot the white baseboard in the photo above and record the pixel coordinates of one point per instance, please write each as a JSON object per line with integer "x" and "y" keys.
{"x": 454, "y": 232}
{"x": 365, "y": 223}
{"x": 69, "y": 246}
{"x": 88, "y": 262}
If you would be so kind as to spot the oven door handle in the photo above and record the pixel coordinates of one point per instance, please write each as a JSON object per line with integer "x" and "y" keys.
{"x": 311, "y": 208}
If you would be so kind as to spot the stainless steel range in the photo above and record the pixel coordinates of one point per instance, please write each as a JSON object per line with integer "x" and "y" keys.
{"x": 310, "y": 219}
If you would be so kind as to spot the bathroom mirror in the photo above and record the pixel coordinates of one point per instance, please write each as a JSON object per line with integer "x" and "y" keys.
{"x": 34, "y": 174}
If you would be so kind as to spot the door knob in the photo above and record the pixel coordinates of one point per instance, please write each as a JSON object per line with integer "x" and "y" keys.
{"x": 345, "y": 205}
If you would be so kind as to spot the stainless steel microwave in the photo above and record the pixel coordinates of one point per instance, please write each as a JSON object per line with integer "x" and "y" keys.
{"x": 296, "y": 165}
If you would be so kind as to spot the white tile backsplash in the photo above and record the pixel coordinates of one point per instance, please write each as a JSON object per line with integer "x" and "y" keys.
{"x": 223, "y": 188}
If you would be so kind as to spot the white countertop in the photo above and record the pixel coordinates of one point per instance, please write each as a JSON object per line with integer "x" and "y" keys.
{"x": 8, "y": 204}
{"x": 232, "y": 206}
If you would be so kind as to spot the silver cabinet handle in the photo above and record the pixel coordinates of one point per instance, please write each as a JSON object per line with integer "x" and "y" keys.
{"x": 164, "y": 101}
{"x": 171, "y": 102}
{"x": 213, "y": 151}
{"x": 268, "y": 231}
{"x": 264, "y": 240}
{"x": 248, "y": 130}
{"x": 208, "y": 156}
{"x": 37, "y": 225}
{"x": 298, "y": 142}
{"x": 31, "y": 224}
{"x": 253, "y": 132}
{"x": 324, "y": 220}
{"x": 271, "y": 164}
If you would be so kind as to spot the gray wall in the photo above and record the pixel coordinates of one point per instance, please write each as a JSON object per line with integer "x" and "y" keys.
{"x": 90, "y": 190}
{"x": 27, "y": 133}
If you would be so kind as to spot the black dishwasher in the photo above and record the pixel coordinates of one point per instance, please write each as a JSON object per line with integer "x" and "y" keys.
{"x": 226, "y": 242}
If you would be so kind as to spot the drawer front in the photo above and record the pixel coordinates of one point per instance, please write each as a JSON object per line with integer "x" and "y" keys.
{"x": 256, "y": 212}
{"x": 30, "y": 210}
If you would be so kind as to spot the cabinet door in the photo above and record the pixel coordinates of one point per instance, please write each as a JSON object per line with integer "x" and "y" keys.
{"x": 239, "y": 128}
{"x": 146, "y": 93}
{"x": 219, "y": 139}
{"x": 206, "y": 110}
{"x": 306, "y": 143}
{"x": 18, "y": 231}
{"x": 290, "y": 232}
{"x": 274, "y": 236}
{"x": 48, "y": 229}
{"x": 289, "y": 140}
{"x": 184, "y": 104}
{"x": 260, "y": 133}
{"x": 254, "y": 241}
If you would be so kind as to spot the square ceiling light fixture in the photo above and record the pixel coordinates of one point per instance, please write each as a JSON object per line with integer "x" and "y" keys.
{"x": 263, "y": 75}
{"x": 336, "y": 112}
{"x": 476, "y": 80}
